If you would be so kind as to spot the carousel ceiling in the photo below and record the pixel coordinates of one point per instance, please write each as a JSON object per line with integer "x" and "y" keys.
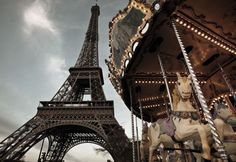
{"x": 144, "y": 30}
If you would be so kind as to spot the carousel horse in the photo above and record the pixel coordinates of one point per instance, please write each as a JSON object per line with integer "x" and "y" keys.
{"x": 223, "y": 120}
{"x": 185, "y": 119}
{"x": 144, "y": 147}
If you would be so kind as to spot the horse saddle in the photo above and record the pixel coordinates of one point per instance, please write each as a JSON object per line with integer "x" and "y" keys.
{"x": 167, "y": 126}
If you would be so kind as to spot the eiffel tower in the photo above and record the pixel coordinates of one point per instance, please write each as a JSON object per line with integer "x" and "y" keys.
{"x": 67, "y": 120}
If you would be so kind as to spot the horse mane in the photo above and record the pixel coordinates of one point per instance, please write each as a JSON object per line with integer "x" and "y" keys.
{"x": 176, "y": 98}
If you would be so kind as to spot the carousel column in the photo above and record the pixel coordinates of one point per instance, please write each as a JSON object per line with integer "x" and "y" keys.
{"x": 132, "y": 123}
{"x": 137, "y": 138}
{"x": 138, "y": 91}
{"x": 201, "y": 98}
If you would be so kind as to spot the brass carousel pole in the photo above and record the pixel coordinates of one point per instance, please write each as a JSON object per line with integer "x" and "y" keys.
{"x": 166, "y": 83}
{"x": 201, "y": 99}
{"x": 227, "y": 81}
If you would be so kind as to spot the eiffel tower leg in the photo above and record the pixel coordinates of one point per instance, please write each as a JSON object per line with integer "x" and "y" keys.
{"x": 15, "y": 145}
{"x": 58, "y": 147}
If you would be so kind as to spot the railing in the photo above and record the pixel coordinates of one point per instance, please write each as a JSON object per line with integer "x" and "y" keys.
{"x": 76, "y": 104}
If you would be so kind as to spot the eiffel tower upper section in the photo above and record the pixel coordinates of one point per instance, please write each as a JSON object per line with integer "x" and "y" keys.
{"x": 86, "y": 76}
{"x": 89, "y": 52}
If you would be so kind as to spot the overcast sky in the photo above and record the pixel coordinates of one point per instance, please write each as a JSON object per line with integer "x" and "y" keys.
{"x": 39, "y": 41}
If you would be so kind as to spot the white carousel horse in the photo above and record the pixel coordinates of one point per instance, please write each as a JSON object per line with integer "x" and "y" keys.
{"x": 185, "y": 119}
{"x": 227, "y": 135}
{"x": 223, "y": 116}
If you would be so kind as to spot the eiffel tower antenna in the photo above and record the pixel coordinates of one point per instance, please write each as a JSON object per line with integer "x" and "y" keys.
{"x": 68, "y": 119}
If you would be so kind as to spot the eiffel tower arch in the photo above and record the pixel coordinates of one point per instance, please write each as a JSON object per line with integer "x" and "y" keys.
{"x": 67, "y": 120}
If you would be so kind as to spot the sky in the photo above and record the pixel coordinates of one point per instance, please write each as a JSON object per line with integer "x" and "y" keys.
{"x": 39, "y": 41}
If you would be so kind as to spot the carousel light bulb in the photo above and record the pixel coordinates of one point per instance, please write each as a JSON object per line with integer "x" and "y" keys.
{"x": 202, "y": 34}
{"x": 188, "y": 26}
{"x": 181, "y": 22}
{"x": 192, "y": 28}
{"x": 195, "y": 30}
{"x": 199, "y": 33}
{"x": 184, "y": 24}
{"x": 206, "y": 37}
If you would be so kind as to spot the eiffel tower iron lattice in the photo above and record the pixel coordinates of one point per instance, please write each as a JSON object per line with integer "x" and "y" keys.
{"x": 67, "y": 120}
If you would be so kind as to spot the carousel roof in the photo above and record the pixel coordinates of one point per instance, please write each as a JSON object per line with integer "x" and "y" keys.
{"x": 143, "y": 30}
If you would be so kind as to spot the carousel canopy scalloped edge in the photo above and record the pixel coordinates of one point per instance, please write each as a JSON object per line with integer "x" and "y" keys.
{"x": 126, "y": 28}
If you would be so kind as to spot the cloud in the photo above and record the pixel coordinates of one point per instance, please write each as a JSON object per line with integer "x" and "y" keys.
{"x": 56, "y": 70}
{"x": 36, "y": 16}
{"x": 57, "y": 65}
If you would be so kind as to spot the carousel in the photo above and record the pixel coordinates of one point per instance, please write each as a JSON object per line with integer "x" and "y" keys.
{"x": 173, "y": 62}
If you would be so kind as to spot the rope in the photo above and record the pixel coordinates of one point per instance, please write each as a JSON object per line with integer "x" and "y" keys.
{"x": 201, "y": 98}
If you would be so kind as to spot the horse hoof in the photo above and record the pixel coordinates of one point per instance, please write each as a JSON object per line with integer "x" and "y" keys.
{"x": 205, "y": 160}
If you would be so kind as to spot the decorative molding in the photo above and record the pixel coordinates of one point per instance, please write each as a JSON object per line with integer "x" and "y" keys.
{"x": 204, "y": 20}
